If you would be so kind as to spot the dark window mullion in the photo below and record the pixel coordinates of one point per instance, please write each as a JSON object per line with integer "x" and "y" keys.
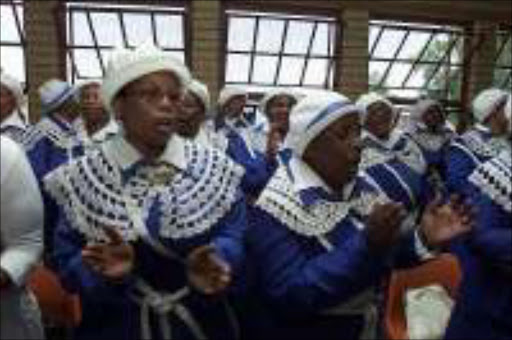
{"x": 441, "y": 61}
{"x": 95, "y": 41}
{"x": 123, "y": 29}
{"x": 153, "y": 27}
{"x": 253, "y": 49}
{"x": 418, "y": 59}
{"x": 18, "y": 24}
{"x": 308, "y": 54}
{"x": 506, "y": 39}
{"x": 395, "y": 56}
{"x": 281, "y": 50}
{"x": 376, "y": 42}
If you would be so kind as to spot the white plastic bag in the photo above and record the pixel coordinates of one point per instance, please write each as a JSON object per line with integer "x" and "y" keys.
{"x": 427, "y": 312}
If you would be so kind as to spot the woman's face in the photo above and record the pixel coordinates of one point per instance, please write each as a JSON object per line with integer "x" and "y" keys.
{"x": 278, "y": 113}
{"x": 191, "y": 116}
{"x": 335, "y": 153}
{"x": 7, "y": 103}
{"x": 433, "y": 118}
{"x": 380, "y": 120}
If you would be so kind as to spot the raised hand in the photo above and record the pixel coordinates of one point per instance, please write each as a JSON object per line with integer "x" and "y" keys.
{"x": 274, "y": 140}
{"x": 113, "y": 260}
{"x": 206, "y": 271}
{"x": 441, "y": 223}
{"x": 383, "y": 225}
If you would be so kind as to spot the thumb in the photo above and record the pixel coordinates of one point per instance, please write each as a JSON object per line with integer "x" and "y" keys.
{"x": 113, "y": 235}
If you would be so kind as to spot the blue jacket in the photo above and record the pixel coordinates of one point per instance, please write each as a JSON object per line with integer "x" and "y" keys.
{"x": 200, "y": 205}
{"x": 484, "y": 303}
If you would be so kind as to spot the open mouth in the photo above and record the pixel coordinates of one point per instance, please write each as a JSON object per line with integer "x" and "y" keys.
{"x": 166, "y": 128}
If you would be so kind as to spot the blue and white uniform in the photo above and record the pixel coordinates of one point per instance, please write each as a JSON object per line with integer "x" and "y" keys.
{"x": 187, "y": 198}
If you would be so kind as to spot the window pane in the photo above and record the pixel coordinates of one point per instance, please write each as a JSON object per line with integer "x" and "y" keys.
{"x": 414, "y": 45}
{"x": 81, "y": 32}
{"x": 316, "y": 72}
{"x": 505, "y": 57}
{"x": 376, "y": 71}
{"x": 138, "y": 28}
{"x": 240, "y": 34}
{"x": 9, "y": 31}
{"x": 396, "y": 74}
{"x": 291, "y": 69}
{"x": 107, "y": 29}
{"x": 180, "y": 55}
{"x": 87, "y": 63}
{"x": 388, "y": 43}
{"x": 12, "y": 61}
{"x": 264, "y": 70}
{"x": 418, "y": 76}
{"x": 372, "y": 36}
{"x": 237, "y": 68}
{"x": 299, "y": 34}
{"x": 270, "y": 34}
{"x": 437, "y": 47}
{"x": 321, "y": 43}
{"x": 169, "y": 30}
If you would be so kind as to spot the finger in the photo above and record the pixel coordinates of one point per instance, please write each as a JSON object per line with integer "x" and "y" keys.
{"x": 113, "y": 235}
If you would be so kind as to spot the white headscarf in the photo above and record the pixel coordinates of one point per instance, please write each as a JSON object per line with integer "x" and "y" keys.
{"x": 270, "y": 95}
{"x": 312, "y": 115}
{"x": 486, "y": 102}
{"x": 128, "y": 65}
{"x": 228, "y": 92}
{"x": 367, "y": 100}
{"x": 200, "y": 90}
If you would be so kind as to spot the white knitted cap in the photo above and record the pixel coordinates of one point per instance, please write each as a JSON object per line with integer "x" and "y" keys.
{"x": 314, "y": 114}
{"x": 14, "y": 86}
{"x": 486, "y": 102}
{"x": 128, "y": 65}
{"x": 54, "y": 93}
{"x": 228, "y": 92}
{"x": 422, "y": 107}
{"x": 366, "y": 100}
{"x": 276, "y": 93}
{"x": 201, "y": 91}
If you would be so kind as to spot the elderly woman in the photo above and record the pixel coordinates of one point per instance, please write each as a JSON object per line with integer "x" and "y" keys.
{"x": 488, "y": 137}
{"x": 12, "y": 122}
{"x": 21, "y": 243}
{"x": 381, "y": 140}
{"x": 484, "y": 303}
{"x": 98, "y": 124}
{"x": 150, "y": 226}
{"x": 315, "y": 259}
{"x": 276, "y": 106}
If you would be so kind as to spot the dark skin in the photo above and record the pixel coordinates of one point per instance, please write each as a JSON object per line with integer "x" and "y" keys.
{"x": 380, "y": 120}
{"x": 148, "y": 108}
{"x": 234, "y": 107}
{"x": 95, "y": 116}
{"x": 7, "y": 103}
{"x": 68, "y": 111}
{"x": 497, "y": 120}
{"x": 278, "y": 113}
{"x": 440, "y": 223}
{"x": 191, "y": 116}
{"x": 433, "y": 118}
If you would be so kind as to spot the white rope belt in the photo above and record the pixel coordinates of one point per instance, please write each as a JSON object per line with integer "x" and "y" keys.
{"x": 163, "y": 304}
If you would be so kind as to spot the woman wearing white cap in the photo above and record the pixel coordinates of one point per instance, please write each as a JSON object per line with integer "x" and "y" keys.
{"x": 21, "y": 243}
{"x": 53, "y": 141}
{"x": 488, "y": 137}
{"x": 98, "y": 123}
{"x": 484, "y": 304}
{"x": 381, "y": 140}
{"x": 433, "y": 134}
{"x": 12, "y": 122}
{"x": 316, "y": 259}
{"x": 151, "y": 225}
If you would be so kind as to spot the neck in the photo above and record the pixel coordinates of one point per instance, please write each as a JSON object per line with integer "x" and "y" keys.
{"x": 148, "y": 152}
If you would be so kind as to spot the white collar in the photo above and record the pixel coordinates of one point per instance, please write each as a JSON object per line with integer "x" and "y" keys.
{"x": 126, "y": 155}
{"x": 202, "y": 136}
{"x": 482, "y": 128}
{"x": 305, "y": 178}
{"x": 13, "y": 119}
{"x": 110, "y": 128}
{"x": 388, "y": 144}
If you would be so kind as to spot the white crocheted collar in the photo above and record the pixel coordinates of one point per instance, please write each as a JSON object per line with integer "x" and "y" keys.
{"x": 388, "y": 144}
{"x": 111, "y": 128}
{"x": 126, "y": 155}
{"x": 303, "y": 177}
{"x": 13, "y": 120}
